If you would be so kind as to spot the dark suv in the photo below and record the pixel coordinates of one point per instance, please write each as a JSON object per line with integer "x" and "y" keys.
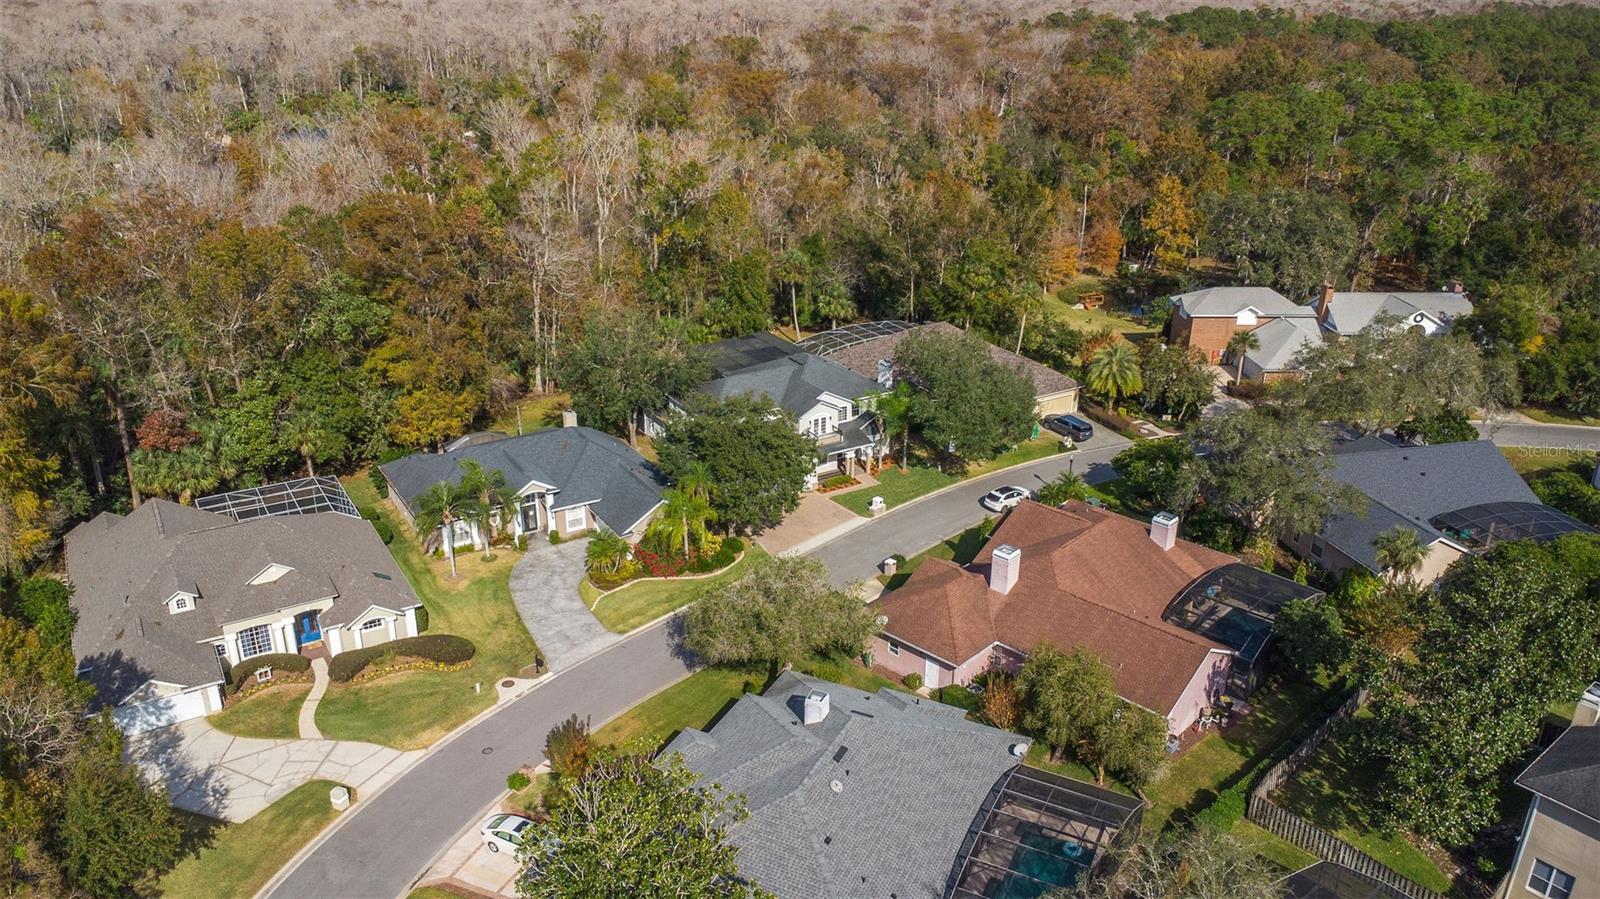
{"x": 1070, "y": 426}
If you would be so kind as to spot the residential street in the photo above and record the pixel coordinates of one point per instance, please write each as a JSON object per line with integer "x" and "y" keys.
{"x": 388, "y": 840}
{"x": 1518, "y": 433}
{"x": 912, "y": 528}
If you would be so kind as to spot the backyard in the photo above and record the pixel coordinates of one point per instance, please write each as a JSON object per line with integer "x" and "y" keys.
{"x": 897, "y": 487}
{"x": 412, "y": 709}
{"x": 271, "y": 714}
{"x": 222, "y": 861}
{"x": 643, "y": 601}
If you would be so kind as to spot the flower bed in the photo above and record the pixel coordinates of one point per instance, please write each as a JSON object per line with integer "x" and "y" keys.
{"x": 403, "y": 663}
{"x": 837, "y": 482}
{"x": 650, "y": 564}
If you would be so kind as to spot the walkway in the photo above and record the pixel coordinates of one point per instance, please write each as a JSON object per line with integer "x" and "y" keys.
{"x": 379, "y": 847}
{"x": 308, "y": 709}
{"x": 233, "y": 778}
{"x": 544, "y": 587}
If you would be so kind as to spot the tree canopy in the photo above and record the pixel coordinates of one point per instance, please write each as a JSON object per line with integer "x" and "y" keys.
{"x": 749, "y": 451}
{"x": 782, "y": 609}
{"x": 968, "y": 406}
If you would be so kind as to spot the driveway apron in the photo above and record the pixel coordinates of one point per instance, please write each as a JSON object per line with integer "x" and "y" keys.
{"x": 544, "y": 587}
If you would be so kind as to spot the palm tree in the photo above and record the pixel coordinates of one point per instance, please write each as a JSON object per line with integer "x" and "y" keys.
{"x": 696, "y": 480}
{"x": 894, "y": 417}
{"x": 1114, "y": 371}
{"x": 794, "y": 269}
{"x": 1399, "y": 551}
{"x": 607, "y": 551}
{"x": 441, "y": 507}
{"x": 684, "y": 516}
{"x": 309, "y": 438}
{"x": 1068, "y": 485}
{"x": 1240, "y": 343}
{"x": 488, "y": 489}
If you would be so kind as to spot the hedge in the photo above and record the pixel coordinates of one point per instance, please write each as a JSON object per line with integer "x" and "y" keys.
{"x": 958, "y": 696}
{"x": 277, "y": 661}
{"x": 446, "y": 648}
{"x": 1229, "y": 806}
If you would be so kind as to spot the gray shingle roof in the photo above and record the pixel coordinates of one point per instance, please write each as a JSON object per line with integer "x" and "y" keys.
{"x": 912, "y": 773}
{"x": 1231, "y": 300}
{"x": 1410, "y": 485}
{"x": 585, "y": 465}
{"x": 793, "y": 381}
{"x": 1281, "y": 340}
{"x": 1351, "y": 311}
{"x": 124, "y": 568}
{"x": 862, "y": 358}
{"x": 1568, "y": 772}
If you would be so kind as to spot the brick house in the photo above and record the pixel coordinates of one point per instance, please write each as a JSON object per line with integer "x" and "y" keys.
{"x": 1207, "y": 319}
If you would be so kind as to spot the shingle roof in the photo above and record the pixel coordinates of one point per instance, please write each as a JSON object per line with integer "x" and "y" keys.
{"x": 862, "y": 358}
{"x": 1231, "y": 300}
{"x": 912, "y": 776}
{"x": 1088, "y": 578}
{"x": 1351, "y": 311}
{"x": 1568, "y": 772}
{"x": 794, "y": 382}
{"x": 1281, "y": 340}
{"x": 585, "y": 465}
{"x": 125, "y": 568}
{"x": 1409, "y": 485}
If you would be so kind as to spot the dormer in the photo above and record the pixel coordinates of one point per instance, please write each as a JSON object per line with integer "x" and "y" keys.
{"x": 269, "y": 574}
{"x": 181, "y": 602}
{"x": 1248, "y": 317}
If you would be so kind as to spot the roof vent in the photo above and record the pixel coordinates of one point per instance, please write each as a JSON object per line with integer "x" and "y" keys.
{"x": 1004, "y": 566}
{"x": 816, "y": 707}
{"x": 1164, "y": 530}
{"x": 836, "y": 786}
{"x": 1019, "y": 750}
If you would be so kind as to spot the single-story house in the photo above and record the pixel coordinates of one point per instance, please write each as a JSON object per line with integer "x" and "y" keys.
{"x": 569, "y": 480}
{"x": 1178, "y": 623}
{"x": 868, "y": 350}
{"x": 1207, "y": 319}
{"x": 169, "y": 598}
{"x": 886, "y": 794}
{"x": 1460, "y": 498}
{"x": 1558, "y": 854}
{"x": 1281, "y": 341}
{"x": 827, "y": 401}
{"x": 1347, "y": 312}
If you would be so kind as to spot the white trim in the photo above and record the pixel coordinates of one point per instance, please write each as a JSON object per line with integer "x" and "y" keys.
{"x": 531, "y": 485}
{"x": 187, "y": 600}
{"x": 261, "y": 577}
{"x": 588, "y": 502}
{"x": 920, "y": 651}
{"x": 659, "y": 504}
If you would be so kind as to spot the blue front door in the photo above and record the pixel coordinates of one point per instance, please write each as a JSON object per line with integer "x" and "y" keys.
{"x": 307, "y": 628}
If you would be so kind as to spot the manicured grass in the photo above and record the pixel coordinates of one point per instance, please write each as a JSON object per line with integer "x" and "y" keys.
{"x": 1091, "y": 322}
{"x": 1272, "y": 847}
{"x": 1278, "y": 719}
{"x": 1558, "y": 416}
{"x": 959, "y": 549}
{"x": 1336, "y": 791}
{"x": 1048, "y": 443}
{"x": 530, "y": 798}
{"x": 235, "y": 860}
{"x": 632, "y": 605}
{"x": 897, "y": 487}
{"x": 539, "y": 411}
{"x": 271, "y": 714}
{"x": 412, "y": 709}
{"x": 849, "y": 673}
{"x": 1066, "y": 766}
{"x": 1533, "y": 461}
{"x": 432, "y": 893}
{"x": 694, "y": 702}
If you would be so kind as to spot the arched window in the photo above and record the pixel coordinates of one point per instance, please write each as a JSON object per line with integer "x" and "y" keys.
{"x": 372, "y": 624}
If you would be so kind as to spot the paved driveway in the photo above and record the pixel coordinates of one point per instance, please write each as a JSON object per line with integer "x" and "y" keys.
{"x": 814, "y": 517}
{"x": 913, "y": 527}
{"x": 1541, "y": 436}
{"x": 544, "y": 586}
{"x": 232, "y": 778}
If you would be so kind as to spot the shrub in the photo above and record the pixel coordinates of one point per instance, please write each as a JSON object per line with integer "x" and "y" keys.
{"x": 555, "y": 538}
{"x": 422, "y": 619}
{"x": 1000, "y": 705}
{"x": 1569, "y": 493}
{"x": 379, "y": 482}
{"x": 1227, "y": 809}
{"x": 913, "y": 681}
{"x": 447, "y": 649}
{"x": 385, "y": 531}
{"x": 517, "y": 781}
{"x": 277, "y": 661}
{"x": 958, "y": 696}
{"x": 522, "y": 542}
{"x": 569, "y": 748}
{"x": 44, "y": 604}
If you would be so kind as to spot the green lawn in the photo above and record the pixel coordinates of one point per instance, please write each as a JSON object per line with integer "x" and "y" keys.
{"x": 1039, "y": 757}
{"x": 847, "y": 672}
{"x": 1090, "y": 322}
{"x": 539, "y": 411}
{"x": 412, "y": 709}
{"x": 1558, "y": 416}
{"x": 1273, "y": 848}
{"x": 272, "y": 714}
{"x": 959, "y": 549}
{"x": 632, "y": 605}
{"x": 432, "y": 893}
{"x": 1334, "y": 790}
{"x": 694, "y": 702}
{"x": 1533, "y": 461}
{"x": 897, "y": 487}
{"x": 235, "y": 860}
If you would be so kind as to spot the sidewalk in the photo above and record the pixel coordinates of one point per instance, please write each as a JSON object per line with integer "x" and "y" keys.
{"x": 308, "y": 709}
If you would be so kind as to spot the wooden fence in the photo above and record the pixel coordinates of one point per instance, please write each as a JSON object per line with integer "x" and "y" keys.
{"x": 1313, "y": 839}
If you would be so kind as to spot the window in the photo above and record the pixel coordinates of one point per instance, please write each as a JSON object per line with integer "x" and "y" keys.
{"x": 1548, "y": 880}
{"x": 1316, "y": 548}
{"x": 254, "y": 641}
{"x": 372, "y": 624}
{"x": 572, "y": 519}
{"x": 222, "y": 650}
{"x": 894, "y": 648}
{"x": 182, "y": 602}
{"x": 263, "y": 675}
{"x": 820, "y": 426}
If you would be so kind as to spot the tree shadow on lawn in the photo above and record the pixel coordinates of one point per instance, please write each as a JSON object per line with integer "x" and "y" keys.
{"x": 1337, "y": 787}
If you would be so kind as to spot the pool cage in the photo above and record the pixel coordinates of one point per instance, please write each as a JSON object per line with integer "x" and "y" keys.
{"x": 1037, "y": 832}
{"x": 1329, "y": 880}
{"x": 301, "y": 496}
{"x": 850, "y": 335}
{"x": 1235, "y": 605}
{"x": 1482, "y": 526}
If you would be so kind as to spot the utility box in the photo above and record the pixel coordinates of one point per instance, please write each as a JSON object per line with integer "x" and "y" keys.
{"x": 339, "y": 798}
{"x": 889, "y": 566}
{"x": 877, "y": 506}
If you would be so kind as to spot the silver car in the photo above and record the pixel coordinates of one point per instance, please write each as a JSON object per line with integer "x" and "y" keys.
{"x": 1002, "y": 498}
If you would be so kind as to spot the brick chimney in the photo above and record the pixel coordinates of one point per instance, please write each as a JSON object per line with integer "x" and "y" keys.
{"x": 1004, "y": 566}
{"x": 1324, "y": 300}
{"x": 1164, "y": 530}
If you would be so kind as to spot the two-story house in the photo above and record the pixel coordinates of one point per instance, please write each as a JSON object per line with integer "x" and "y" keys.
{"x": 1558, "y": 855}
{"x": 170, "y": 598}
{"x": 1207, "y": 319}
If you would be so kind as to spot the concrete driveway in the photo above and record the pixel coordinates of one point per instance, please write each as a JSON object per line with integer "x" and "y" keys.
{"x": 233, "y": 778}
{"x": 815, "y": 518}
{"x": 544, "y": 587}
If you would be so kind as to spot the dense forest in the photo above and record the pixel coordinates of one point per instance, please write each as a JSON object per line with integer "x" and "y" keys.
{"x": 232, "y": 256}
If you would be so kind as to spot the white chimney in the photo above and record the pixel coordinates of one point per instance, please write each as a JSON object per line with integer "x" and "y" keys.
{"x": 1004, "y": 566}
{"x": 1164, "y": 530}
{"x": 569, "y": 418}
{"x": 885, "y": 374}
{"x": 816, "y": 707}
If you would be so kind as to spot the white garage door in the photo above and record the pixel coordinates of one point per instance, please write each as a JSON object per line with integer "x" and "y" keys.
{"x": 151, "y": 714}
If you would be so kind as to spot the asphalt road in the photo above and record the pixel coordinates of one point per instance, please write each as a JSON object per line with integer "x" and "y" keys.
{"x": 1513, "y": 433}
{"x": 912, "y": 528}
{"x": 387, "y": 841}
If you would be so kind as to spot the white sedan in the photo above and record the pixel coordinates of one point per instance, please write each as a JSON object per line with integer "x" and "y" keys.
{"x": 1002, "y": 498}
{"x": 505, "y": 832}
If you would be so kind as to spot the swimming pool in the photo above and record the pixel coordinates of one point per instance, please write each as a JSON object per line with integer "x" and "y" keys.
{"x": 1047, "y": 862}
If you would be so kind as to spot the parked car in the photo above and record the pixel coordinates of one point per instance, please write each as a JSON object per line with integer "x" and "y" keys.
{"x": 1002, "y": 498}
{"x": 505, "y": 832}
{"x": 1070, "y": 426}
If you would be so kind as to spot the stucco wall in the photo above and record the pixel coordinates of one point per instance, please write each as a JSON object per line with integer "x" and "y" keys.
{"x": 1565, "y": 839}
{"x": 1210, "y": 681}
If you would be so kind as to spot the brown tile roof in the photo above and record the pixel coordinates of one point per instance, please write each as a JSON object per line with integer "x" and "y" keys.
{"x": 862, "y": 358}
{"x": 1089, "y": 578}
